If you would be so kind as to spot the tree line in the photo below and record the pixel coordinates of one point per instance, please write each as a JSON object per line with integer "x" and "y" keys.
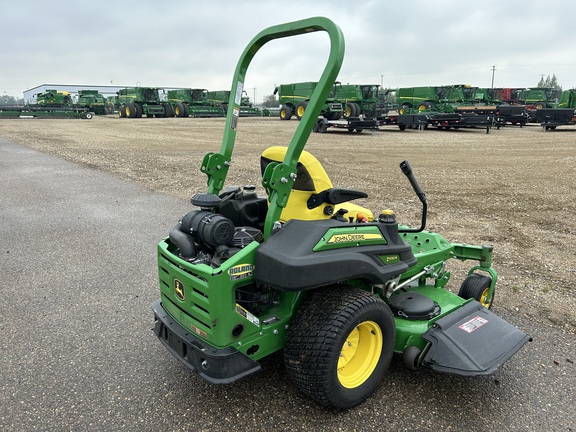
{"x": 10, "y": 100}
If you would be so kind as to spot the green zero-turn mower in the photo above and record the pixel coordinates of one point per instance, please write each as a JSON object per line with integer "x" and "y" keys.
{"x": 305, "y": 271}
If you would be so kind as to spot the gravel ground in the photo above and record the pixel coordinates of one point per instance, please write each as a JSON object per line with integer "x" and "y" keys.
{"x": 512, "y": 188}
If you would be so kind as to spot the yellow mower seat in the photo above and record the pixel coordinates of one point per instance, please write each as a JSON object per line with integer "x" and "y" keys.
{"x": 311, "y": 180}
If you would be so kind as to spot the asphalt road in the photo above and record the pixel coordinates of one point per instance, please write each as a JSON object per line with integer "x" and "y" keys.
{"x": 78, "y": 272}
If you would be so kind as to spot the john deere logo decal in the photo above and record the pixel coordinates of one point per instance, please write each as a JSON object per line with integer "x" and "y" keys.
{"x": 179, "y": 289}
{"x": 345, "y": 238}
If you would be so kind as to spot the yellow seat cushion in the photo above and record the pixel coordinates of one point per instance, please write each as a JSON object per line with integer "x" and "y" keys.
{"x": 311, "y": 179}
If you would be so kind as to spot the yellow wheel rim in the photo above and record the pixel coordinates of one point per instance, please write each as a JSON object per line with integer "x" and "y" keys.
{"x": 177, "y": 111}
{"x": 484, "y": 298}
{"x": 301, "y": 110}
{"x": 360, "y": 354}
{"x": 282, "y": 114}
{"x": 127, "y": 111}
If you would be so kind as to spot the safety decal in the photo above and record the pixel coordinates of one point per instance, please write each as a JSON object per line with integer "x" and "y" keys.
{"x": 235, "y": 115}
{"x": 239, "y": 90}
{"x": 199, "y": 332}
{"x": 254, "y": 320}
{"x": 474, "y": 324}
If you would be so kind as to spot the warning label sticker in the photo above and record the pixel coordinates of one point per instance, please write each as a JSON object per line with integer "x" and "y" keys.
{"x": 254, "y": 320}
{"x": 235, "y": 115}
{"x": 474, "y": 324}
{"x": 239, "y": 90}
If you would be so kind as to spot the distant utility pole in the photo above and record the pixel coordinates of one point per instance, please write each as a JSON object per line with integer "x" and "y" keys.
{"x": 381, "y": 81}
{"x": 493, "y": 70}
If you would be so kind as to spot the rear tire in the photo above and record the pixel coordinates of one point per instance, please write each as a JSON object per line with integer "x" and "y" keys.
{"x": 351, "y": 110}
{"x": 339, "y": 346}
{"x": 286, "y": 112}
{"x": 301, "y": 109}
{"x": 180, "y": 110}
{"x": 130, "y": 110}
{"x": 168, "y": 110}
{"x": 540, "y": 105}
{"x": 477, "y": 286}
{"x": 139, "y": 110}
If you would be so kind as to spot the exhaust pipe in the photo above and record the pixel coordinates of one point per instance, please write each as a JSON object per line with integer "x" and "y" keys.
{"x": 184, "y": 242}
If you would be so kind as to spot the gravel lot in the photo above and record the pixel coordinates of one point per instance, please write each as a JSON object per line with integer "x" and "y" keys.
{"x": 513, "y": 188}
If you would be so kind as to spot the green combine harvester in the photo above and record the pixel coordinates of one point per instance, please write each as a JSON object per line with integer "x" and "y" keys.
{"x": 294, "y": 99}
{"x": 188, "y": 102}
{"x": 305, "y": 271}
{"x": 220, "y": 98}
{"x": 93, "y": 100}
{"x": 134, "y": 102}
{"x": 361, "y": 99}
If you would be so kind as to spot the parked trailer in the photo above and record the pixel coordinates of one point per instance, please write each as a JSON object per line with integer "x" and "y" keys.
{"x": 551, "y": 118}
{"x": 406, "y": 121}
{"x": 510, "y": 114}
{"x": 444, "y": 121}
{"x": 462, "y": 120}
{"x": 351, "y": 124}
{"x": 499, "y": 115}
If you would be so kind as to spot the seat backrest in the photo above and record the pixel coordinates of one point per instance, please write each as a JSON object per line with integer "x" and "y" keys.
{"x": 311, "y": 179}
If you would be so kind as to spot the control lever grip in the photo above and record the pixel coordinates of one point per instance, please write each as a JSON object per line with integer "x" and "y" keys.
{"x": 407, "y": 170}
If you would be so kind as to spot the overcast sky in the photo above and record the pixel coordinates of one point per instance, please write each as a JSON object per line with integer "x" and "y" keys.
{"x": 197, "y": 43}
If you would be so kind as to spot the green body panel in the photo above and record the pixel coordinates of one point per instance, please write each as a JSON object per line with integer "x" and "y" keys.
{"x": 541, "y": 97}
{"x": 567, "y": 99}
{"x": 209, "y": 308}
{"x": 409, "y": 332}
